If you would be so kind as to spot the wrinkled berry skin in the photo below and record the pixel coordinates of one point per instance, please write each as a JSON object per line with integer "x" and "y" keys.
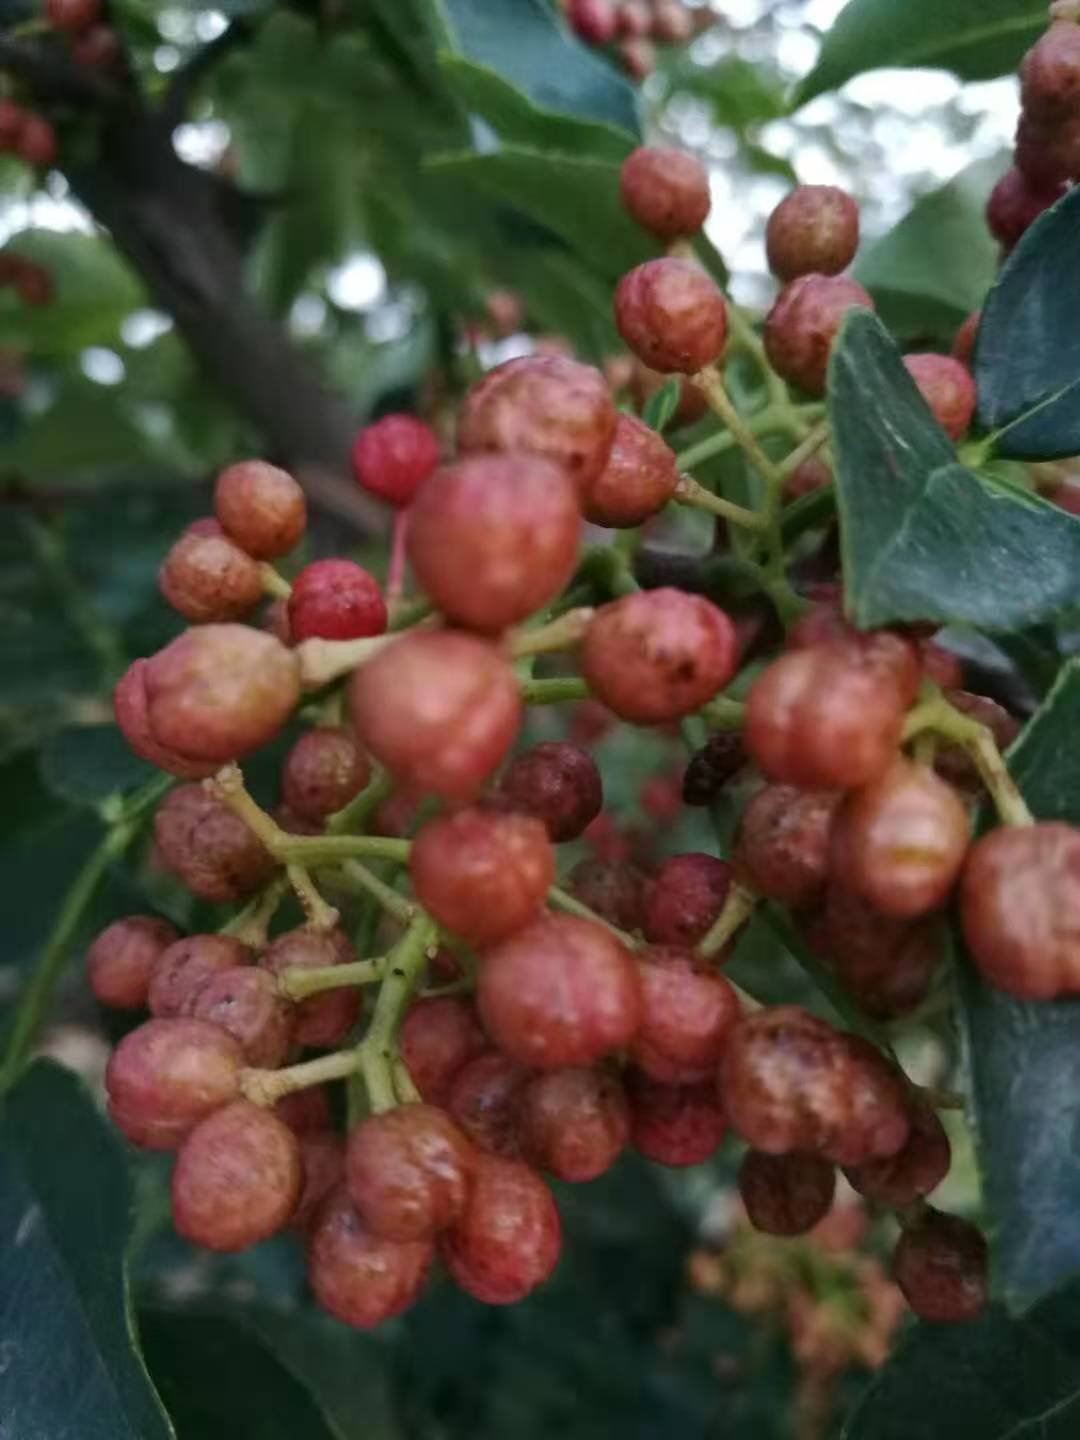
{"x": 557, "y": 783}
{"x": 121, "y": 960}
{"x": 133, "y": 719}
{"x": 953, "y": 763}
{"x": 261, "y": 507}
{"x": 782, "y": 849}
{"x": 786, "y": 1194}
{"x": 440, "y": 709}
{"x": 947, "y": 387}
{"x": 212, "y": 851}
{"x": 485, "y": 1100}
{"x": 614, "y": 889}
{"x": 658, "y": 655}
{"x": 790, "y": 1083}
{"x": 671, "y": 315}
{"x": 722, "y": 758}
{"x": 542, "y": 405}
{"x": 407, "y": 1172}
{"x": 237, "y": 1178}
{"x": 394, "y": 456}
{"x": 687, "y": 1013}
{"x": 563, "y": 991}
{"x": 244, "y": 1000}
{"x": 686, "y": 895}
{"x": 218, "y": 692}
{"x": 940, "y": 1264}
{"x": 1050, "y": 75}
{"x": 181, "y": 970}
{"x": 482, "y": 874}
{"x": 890, "y": 656}
{"x": 912, "y": 1172}
{"x": 638, "y": 480}
{"x": 206, "y": 576}
{"x": 358, "y": 1278}
{"x": 815, "y": 230}
{"x": 575, "y": 1122}
{"x": 1015, "y": 204}
{"x": 821, "y": 719}
{"x": 885, "y": 964}
{"x": 1020, "y": 909}
{"x": 803, "y": 324}
{"x": 323, "y": 771}
{"x": 494, "y": 538}
{"x": 900, "y": 841}
{"x": 324, "y": 1020}
{"x": 438, "y": 1039}
{"x": 167, "y": 1075}
{"x": 666, "y": 191}
{"x": 674, "y": 1125}
{"x": 335, "y": 600}
{"x": 507, "y": 1242}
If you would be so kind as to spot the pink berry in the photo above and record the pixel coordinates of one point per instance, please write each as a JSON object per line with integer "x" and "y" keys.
{"x": 261, "y": 507}
{"x": 184, "y": 967}
{"x": 133, "y": 719}
{"x": 638, "y": 480}
{"x": 121, "y": 960}
{"x": 324, "y": 770}
{"x": 324, "y": 1020}
{"x": 671, "y": 315}
{"x": 508, "y": 1239}
{"x": 674, "y": 1125}
{"x": 438, "y": 1039}
{"x": 687, "y": 1012}
{"x": 666, "y": 191}
{"x": 167, "y": 1075}
{"x": 485, "y": 1100}
{"x": 206, "y": 576}
{"x": 948, "y": 389}
{"x": 407, "y": 1172}
{"x": 211, "y": 850}
{"x": 815, "y": 230}
{"x": 574, "y": 1122}
{"x": 358, "y": 1278}
{"x": 802, "y": 326}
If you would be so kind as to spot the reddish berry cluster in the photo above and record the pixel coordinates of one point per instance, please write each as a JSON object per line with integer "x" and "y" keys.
{"x": 26, "y": 135}
{"x": 94, "y": 43}
{"x": 633, "y": 28}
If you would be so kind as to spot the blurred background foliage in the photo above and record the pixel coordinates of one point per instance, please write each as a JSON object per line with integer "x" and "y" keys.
{"x": 381, "y": 169}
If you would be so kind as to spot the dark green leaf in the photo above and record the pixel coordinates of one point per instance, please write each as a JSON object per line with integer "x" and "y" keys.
{"x": 933, "y": 268}
{"x": 87, "y": 763}
{"x": 95, "y": 292}
{"x": 1026, "y": 360}
{"x": 576, "y": 198}
{"x": 997, "y": 1378}
{"x": 977, "y": 39}
{"x": 924, "y": 538}
{"x": 517, "y": 120}
{"x": 662, "y": 406}
{"x": 522, "y": 41}
{"x": 1024, "y": 1057}
{"x": 221, "y": 1383}
{"x": 71, "y": 1365}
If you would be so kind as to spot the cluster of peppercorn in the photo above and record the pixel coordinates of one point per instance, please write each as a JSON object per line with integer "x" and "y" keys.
{"x": 633, "y": 28}
{"x": 26, "y": 135}
{"x": 31, "y": 282}
{"x": 92, "y": 40}
{"x": 575, "y": 1021}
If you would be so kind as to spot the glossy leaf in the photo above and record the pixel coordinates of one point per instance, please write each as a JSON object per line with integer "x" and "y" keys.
{"x": 87, "y": 763}
{"x": 221, "y": 1382}
{"x": 977, "y": 39}
{"x": 997, "y": 1378}
{"x": 662, "y": 406}
{"x": 1024, "y": 1057}
{"x": 522, "y": 41}
{"x": 924, "y": 538}
{"x": 576, "y": 198}
{"x": 1027, "y": 362}
{"x": 71, "y": 1364}
{"x": 936, "y": 265}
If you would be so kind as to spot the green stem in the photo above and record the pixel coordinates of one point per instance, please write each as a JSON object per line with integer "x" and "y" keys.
{"x": 689, "y": 492}
{"x": 296, "y": 983}
{"x": 724, "y": 714}
{"x": 553, "y": 692}
{"x": 938, "y": 715}
{"x": 326, "y": 849}
{"x": 267, "y": 1087}
{"x": 738, "y": 908}
{"x": 377, "y": 1051}
{"x": 358, "y": 812}
{"x": 274, "y": 585}
{"x": 361, "y": 881}
{"x": 34, "y": 1001}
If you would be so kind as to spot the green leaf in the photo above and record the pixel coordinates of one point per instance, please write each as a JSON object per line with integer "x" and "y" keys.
{"x": 997, "y": 1378}
{"x": 739, "y": 92}
{"x": 977, "y": 39}
{"x": 577, "y": 198}
{"x": 221, "y": 1383}
{"x": 1026, "y": 359}
{"x": 522, "y": 41}
{"x": 662, "y": 406}
{"x": 71, "y": 1364}
{"x": 1024, "y": 1057}
{"x": 934, "y": 267}
{"x": 95, "y": 291}
{"x": 516, "y": 119}
{"x": 85, "y": 764}
{"x": 923, "y": 538}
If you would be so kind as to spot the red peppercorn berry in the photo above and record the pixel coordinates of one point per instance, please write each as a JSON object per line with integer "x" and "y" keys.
{"x": 814, "y": 230}
{"x": 675, "y": 1125}
{"x": 786, "y": 1194}
{"x": 184, "y": 967}
{"x": 322, "y": 1020}
{"x": 438, "y": 1038}
{"x": 508, "y": 1239}
{"x": 211, "y": 850}
{"x": 782, "y": 848}
{"x": 206, "y": 576}
{"x": 672, "y": 315}
{"x": 687, "y": 1012}
{"x": 802, "y": 326}
{"x": 686, "y": 895}
{"x": 121, "y": 960}
{"x": 666, "y": 191}
{"x": 335, "y": 600}
{"x": 947, "y": 387}
{"x": 261, "y": 508}
{"x": 166, "y": 1076}
{"x": 407, "y": 1172}
{"x": 558, "y": 784}
{"x": 393, "y": 457}
{"x": 357, "y": 1277}
{"x": 940, "y": 1263}
{"x": 638, "y": 481}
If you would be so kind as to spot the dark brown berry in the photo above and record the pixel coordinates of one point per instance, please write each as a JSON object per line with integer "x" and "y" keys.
{"x": 815, "y": 230}
{"x": 782, "y": 848}
{"x": 562, "y": 991}
{"x": 614, "y": 889}
{"x": 559, "y": 784}
{"x": 953, "y": 763}
{"x": 658, "y": 655}
{"x": 237, "y": 1178}
{"x": 1015, "y": 203}
{"x": 1050, "y": 75}
{"x": 507, "y": 1242}
{"x": 666, "y": 191}
{"x": 941, "y": 1263}
{"x": 912, "y": 1172}
{"x": 121, "y": 960}
{"x": 360, "y": 1279}
{"x": 672, "y": 315}
{"x": 261, "y": 507}
{"x": 485, "y": 1100}
{"x": 802, "y": 326}
{"x": 786, "y": 1194}
{"x": 886, "y": 965}
{"x": 212, "y": 851}
{"x": 723, "y": 756}
{"x": 686, "y": 895}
